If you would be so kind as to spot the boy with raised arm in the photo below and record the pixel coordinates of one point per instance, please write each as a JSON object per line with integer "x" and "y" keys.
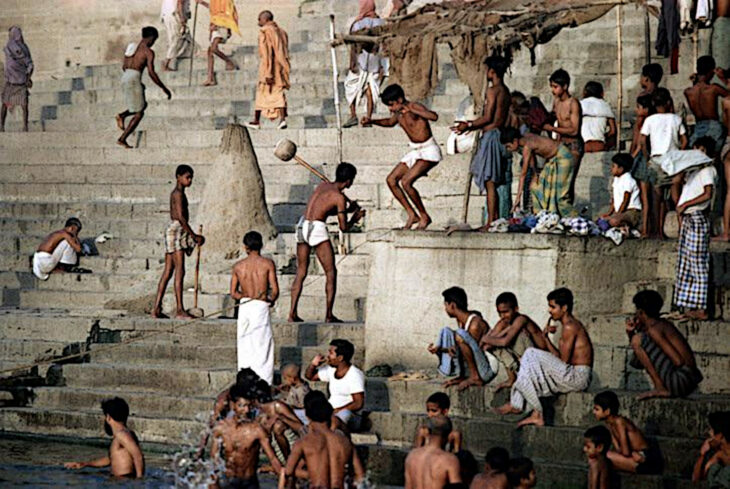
{"x": 596, "y": 442}
{"x": 58, "y": 252}
{"x": 430, "y": 466}
{"x": 125, "y": 457}
{"x": 180, "y": 239}
{"x": 438, "y": 404}
{"x": 703, "y": 98}
{"x": 327, "y": 200}
{"x": 566, "y": 368}
{"x": 424, "y": 154}
{"x": 255, "y": 288}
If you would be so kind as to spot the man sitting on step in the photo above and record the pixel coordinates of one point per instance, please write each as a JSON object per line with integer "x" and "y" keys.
{"x": 661, "y": 349}
{"x": 58, "y": 252}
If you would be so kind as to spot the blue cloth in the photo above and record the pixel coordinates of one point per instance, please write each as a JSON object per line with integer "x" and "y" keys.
{"x": 446, "y": 361}
{"x": 490, "y": 161}
{"x": 454, "y": 366}
{"x": 711, "y": 128}
{"x": 504, "y": 191}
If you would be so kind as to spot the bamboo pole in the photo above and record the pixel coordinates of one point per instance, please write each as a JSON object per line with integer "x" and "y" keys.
{"x": 192, "y": 46}
{"x": 342, "y": 248}
{"x": 647, "y": 37}
{"x": 619, "y": 75}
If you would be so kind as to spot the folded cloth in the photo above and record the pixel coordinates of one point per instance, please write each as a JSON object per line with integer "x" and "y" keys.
{"x": 460, "y": 143}
{"x": 313, "y": 233}
{"x": 177, "y": 239}
{"x": 677, "y": 160}
{"x": 133, "y": 90}
{"x": 255, "y": 340}
{"x": 44, "y": 263}
{"x": 426, "y": 151}
{"x": 446, "y": 362}
{"x": 490, "y": 161}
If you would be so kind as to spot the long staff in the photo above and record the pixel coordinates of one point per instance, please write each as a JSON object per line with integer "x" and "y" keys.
{"x": 192, "y": 45}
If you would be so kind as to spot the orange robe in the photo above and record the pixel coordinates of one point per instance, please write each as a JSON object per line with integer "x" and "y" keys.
{"x": 223, "y": 13}
{"x": 273, "y": 63}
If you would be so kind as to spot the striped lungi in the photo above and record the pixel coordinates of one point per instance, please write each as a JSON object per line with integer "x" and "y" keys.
{"x": 680, "y": 381}
{"x": 693, "y": 264}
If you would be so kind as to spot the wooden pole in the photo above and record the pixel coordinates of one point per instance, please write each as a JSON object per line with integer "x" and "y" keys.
{"x": 619, "y": 75}
{"x": 647, "y": 37}
{"x": 197, "y": 266}
{"x": 467, "y": 190}
{"x": 192, "y": 48}
{"x": 336, "y": 91}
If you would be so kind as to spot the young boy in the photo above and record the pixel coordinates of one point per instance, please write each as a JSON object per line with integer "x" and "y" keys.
{"x": 125, "y": 456}
{"x": 693, "y": 264}
{"x": 495, "y": 468}
{"x": 666, "y": 132}
{"x": 511, "y": 336}
{"x": 651, "y": 77}
{"x": 596, "y": 442}
{"x": 180, "y": 239}
{"x": 424, "y": 155}
{"x": 438, "y": 404}
{"x": 293, "y": 389}
{"x": 702, "y": 99}
{"x": 625, "y": 196}
{"x": 631, "y": 453}
{"x": 255, "y": 288}
{"x": 714, "y": 460}
{"x": 640, "y": 170}
{"x": 521, "y": 473}
{"x": 58, "y": 252}
{"x": 598, "y": 129}
{"x": 567, "y": 111}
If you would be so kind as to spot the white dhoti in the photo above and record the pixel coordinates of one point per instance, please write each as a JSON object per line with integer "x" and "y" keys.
{"x": 44, "y": 262}
{"x": 426, "y": 151}
{"x": 356, "y": 84}
{"x": 133, "y": 90}
{"x": 543, "y": 374}
{"x": 312, "y": 232}
{"x": 255, "y": 340}
{"x": 179, "y": 41}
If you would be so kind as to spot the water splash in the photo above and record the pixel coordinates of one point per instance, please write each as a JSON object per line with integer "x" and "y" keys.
{"x": 190, "y": 470}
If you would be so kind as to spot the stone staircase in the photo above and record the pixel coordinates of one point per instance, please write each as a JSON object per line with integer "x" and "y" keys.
{"x": 69, "y": 165}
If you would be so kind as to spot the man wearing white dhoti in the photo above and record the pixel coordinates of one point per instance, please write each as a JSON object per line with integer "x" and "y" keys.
{"x": 558, "y": 370}
{"x": 59, "y": 251}
{"x": 254, "y": 284}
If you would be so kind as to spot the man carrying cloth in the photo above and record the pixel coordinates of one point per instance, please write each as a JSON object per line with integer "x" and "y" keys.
{"x": 273, "y": 72}
{"x": 175, "y": 15}
{"x": 223, "y": 20}
{"x": 58, "y": 252}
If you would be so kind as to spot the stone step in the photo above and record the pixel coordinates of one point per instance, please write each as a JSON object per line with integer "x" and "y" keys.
{"x": 29, "y": 350}
{"x": 16, "y": 264}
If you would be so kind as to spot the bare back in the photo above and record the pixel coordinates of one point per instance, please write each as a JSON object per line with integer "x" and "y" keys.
{"x": 50, "y": 242}
{"x": 339, "y": 449}
{"x": 416, "y": 127}
{"x": 625, "y": 432}
{"x": 667, "y": 335}
{"x": 431, "y": 468}
{"x": 314, "y": 449}
{"x": 498, "y": 105}
{"x": 326, "y": 200}
{"x": 490, "y": 481}
{"x": 702, "y": 99}
{"x": 121, "y": 460}
{"x": 574, "y": 339}
{"x": 726, "y": 112}
{"x": 241, "y": 446}
{"x": 252, "y": 276}
{"x": 540, "y": 145}
{"x": 140, "y": 59}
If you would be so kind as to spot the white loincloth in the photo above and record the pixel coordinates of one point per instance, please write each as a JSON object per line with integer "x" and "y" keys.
{"x": 44, "y": 262}
{"x": 426, "y": 151}
{"x": 313, "y": 233}
{"x": 356, "y": 85}
{"x": 133, "y": 90}
{"x": 255, "y": 339}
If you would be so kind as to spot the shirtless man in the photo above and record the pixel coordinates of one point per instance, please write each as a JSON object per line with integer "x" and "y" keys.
{"x": 495, "y": 468}
{"x": 661, "y": 349}
{"x": 511, "y": 336}
{"x": 255, "y": 288}
{"x": 424, "y": 155}
{"x": 137, "y": 57}
{"x": 125, "y": 457}
{"x": 329, "y": 455}
{"x": 725, "y": 154}
{"x": 327, "y": 200}
{"x": 430, "y": 466}
{"x": 58, "y": 251}
{"x": 567, "y": 112}
{"x": 557, "y": 370}
{"x": 180, "y": 240}
{"x": 702, "y": 99}
{"x": 239, "y": 439}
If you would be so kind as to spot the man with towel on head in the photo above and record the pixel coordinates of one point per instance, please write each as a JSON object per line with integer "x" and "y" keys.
{"x": 137, "y": 56}
{"x": 18, "y": 70}
{"x": 274, "y": 70}
{"x": 59, "y": 251}
{"x": 254, "y": 286}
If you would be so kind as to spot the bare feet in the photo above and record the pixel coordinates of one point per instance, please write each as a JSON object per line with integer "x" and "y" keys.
{"x": 412, "y": 219}
{"x": 183, "y": 315}
{"x": 423, "y": 223}
{"x": 697, "y": 314}
{"x": 507, "y": 409}
{"x": 332, "y": 319}
{"x": 295, "y": 319}
{"x": 120, "y": 122}
{"x": 507, "y": 384}
{"x": 210, "y": 83}
{"x": 231, "y": 66}
{"x": 458, "y": 228}
{"x": 159, "y": 315}
{"x": 455, "y": 381}
{"x": 654, "y": 394}
{"x": 724, "y": 238}
{"x": 534, "y": 419}
{"x": 483, "y": 229}
{"x": 123, "y": 144}
{"x": 477, "y": 382}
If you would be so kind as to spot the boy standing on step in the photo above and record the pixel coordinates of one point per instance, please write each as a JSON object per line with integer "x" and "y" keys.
{"x": 424, "y": 155}
{"x": 180, "y": 240}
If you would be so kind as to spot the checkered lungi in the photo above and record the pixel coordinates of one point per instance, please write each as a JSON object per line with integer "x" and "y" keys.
{"x": 693, "y": 265}
{"x": 177, "y": 239}
{"x": 543, "y": 374}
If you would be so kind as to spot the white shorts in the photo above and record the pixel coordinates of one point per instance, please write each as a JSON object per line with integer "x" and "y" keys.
{"x": 426, "y": 151}
{"x": 222, "y": 33}
{"x": 312, "y": 232}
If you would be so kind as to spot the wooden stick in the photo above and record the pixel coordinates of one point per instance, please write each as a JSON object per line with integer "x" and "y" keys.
{"x": 647, "y": 37}
{"x": 197, "y": 264}
{"x": 619, "y": 75}
{"x": 192, "y": 56}
{"x": 336, "y": 90}
{"x": 311, "y": 168}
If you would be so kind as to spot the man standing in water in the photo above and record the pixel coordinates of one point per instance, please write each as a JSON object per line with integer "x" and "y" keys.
{"x": 125, "y": 457}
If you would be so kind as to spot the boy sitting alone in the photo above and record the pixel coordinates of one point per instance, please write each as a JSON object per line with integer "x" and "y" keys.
{"x": 596, "y": 442}
{"x": 438, "y": 404}
{"x": 625, "y": 196}
{"x": 631, "y": 452}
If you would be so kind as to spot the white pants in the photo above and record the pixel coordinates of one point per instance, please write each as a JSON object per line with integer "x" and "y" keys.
{"x": 255, "y": 340}
{"x": 178, "y": 37}
{"x": 44, "y": 262}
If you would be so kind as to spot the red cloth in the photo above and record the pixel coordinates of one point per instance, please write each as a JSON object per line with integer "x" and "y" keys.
{"x": 367, "y": 9}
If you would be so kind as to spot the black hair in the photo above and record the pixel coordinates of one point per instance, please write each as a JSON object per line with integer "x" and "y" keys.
{"x": 507, "y": 298}
{"x": 441, "y": 399}
{"x": 73, "y": 221}
{"x": 439, "y": 426}
{"x": 183, "y": 169}
{"x": 654, "y": 72}
{"x": 516, "y": 94}
{"x": 343, "y": 348}
{"x": 508, "y": 134}
{"x": 267, "y": 14}
{"x": 392, "y": 93}
{"x": 457, "y": 296}
{"x": 262, "y": 391}
{"x": 561, "y": 77}
{"x": 720, "y": 423}
{"x": 593, "y": 89}
{"x": 239, "y": 391}
{"x": 518, "y": 469}
{"x": 247, "y": 375}
{"x": 708, "y": 143}
{"x": 345, "y": 171}
{"x": 467, "y": 465}
{"x": 317, "y": 408}
{"x": 150, "y": 31}
{"x": 623, "y": 160}
{"x": 607, "y": 400}
{"x": 647, "y": 102}
{"x": 497, "y": 458}
{"x": 649, "y": 301}
{"x": 599, "y": 435}
{"x": 705, "y": 65}
{"x": 117, "y": 408}
{"x": 562, "y": 297}
{"x": 661, "y": 97}
{"x": 253, "y": 241}
{"x": 497, "y": 63}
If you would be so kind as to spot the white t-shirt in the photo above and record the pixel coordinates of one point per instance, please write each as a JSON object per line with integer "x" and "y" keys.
{"x": 664, "y": 131}
{"x": 695, "y": 186}
{"x": 341, "y": 390}
{"x": 596, "y": 113}
{"x": 621, "y": 185}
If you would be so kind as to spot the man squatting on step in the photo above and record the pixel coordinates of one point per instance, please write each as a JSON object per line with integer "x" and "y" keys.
{"x": 327, "y": 200}
{"x": 254, "y": 286}
{"x": 58, "y": 251}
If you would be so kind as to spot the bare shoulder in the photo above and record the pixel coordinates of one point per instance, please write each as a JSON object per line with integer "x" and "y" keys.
{"x": 270, "y": 263}
{"x": 126, "y": 437}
